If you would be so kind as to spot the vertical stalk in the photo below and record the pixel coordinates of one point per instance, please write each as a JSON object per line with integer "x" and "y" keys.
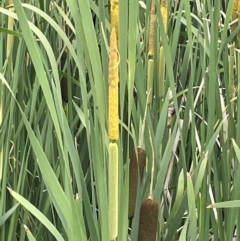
{"x": 2, "y": 89}
{"x": 161, "y": 74}
{"x": 238, "y": 131}
{"x": 238, "y": 16}
{"x": 238, "y": 75}
{"x": 151, "y": 52}
{"x": 161, "y": 69}
{"x": 231, "y": 76}
{"x": 150, "y": 80}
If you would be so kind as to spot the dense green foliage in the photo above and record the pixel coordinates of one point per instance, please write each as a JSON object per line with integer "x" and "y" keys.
{"x": 54, "y": 146}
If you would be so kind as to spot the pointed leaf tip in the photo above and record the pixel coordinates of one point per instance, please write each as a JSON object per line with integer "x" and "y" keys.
{"x": 25, "y": 227}
{"x": 210, "y": 206}
{"x": 10, "y": 190}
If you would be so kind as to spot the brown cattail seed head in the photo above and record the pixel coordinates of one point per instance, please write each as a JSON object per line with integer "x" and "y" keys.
{"x": 148, "y": 220}
{"x": 136, "y": 169}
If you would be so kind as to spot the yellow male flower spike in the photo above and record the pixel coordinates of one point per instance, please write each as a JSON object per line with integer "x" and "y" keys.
{"x": 114, "y": 15}
{"x": 151, "y": 30}
{"x": 164, "y": 12}
{"x": 113, "y": 80}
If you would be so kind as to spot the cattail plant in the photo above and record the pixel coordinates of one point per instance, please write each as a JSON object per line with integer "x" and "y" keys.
{"x": 151, "y": 51}
{"x": 136, "y": 168}
{"x": 113, "y": 129}
{"x": 113, "y": 134}
{"x": 148, "y": 220}
{"x": 164, "y": 14}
